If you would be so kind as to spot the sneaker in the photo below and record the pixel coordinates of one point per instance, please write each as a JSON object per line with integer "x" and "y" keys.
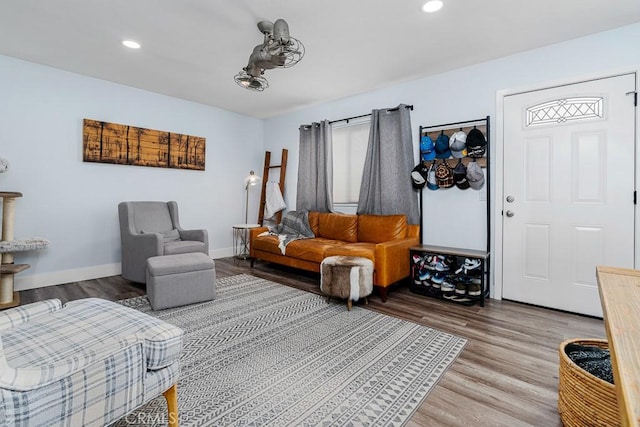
{"x": 424, "y": 275}
{"x": 431, "y": 262}
{"x": 442, "y": 264}
{"x": 436, "y": 280}
{"x": 475, "y": 288}
{"x": 462, "y": 285}
{"x": 461, "y": 298}
{"x": 415, "y": 275}
{"x": 469, "y": 266}
{"x": 447, "y": 286}
{"x": 417, "y": 259}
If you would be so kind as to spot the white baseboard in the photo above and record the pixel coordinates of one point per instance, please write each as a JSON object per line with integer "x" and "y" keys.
{"x": 221, "y": 253}
{"x": 22, "y": 283}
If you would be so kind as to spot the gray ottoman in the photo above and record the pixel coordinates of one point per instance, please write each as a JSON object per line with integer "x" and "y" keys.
{"x": 346, "y": 277}
{"x": 174, "y": 280}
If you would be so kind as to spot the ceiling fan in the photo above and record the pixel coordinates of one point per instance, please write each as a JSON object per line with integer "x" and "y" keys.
{"x": 278, "y": 50}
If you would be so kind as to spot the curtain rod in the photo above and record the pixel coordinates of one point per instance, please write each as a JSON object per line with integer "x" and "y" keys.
{"x": 365, "y": 115}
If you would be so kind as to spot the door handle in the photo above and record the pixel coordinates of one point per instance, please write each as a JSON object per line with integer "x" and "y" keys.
{"x": 510, "y": 214}
{"x": 510, "y": 199}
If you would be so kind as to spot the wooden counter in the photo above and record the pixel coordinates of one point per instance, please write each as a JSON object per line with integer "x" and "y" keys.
{"x": 620, "y": 297}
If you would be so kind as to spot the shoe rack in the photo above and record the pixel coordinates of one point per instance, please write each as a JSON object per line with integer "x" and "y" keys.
{"x": 453, "y": 275}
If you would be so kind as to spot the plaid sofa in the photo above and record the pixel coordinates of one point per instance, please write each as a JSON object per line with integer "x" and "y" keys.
{"x": 89, "y": 362}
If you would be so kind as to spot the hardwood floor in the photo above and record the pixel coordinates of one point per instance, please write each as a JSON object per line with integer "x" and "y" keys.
{"x": 506, "y": 376}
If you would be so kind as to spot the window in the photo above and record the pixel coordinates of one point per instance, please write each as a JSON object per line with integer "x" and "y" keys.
{"x": 350, "y": 141}
{"x": 567, "y": 109}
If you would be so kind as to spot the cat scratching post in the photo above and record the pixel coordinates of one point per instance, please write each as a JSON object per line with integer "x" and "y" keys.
{"x": 7, "y": 270}
{"x": 9, "y": 246}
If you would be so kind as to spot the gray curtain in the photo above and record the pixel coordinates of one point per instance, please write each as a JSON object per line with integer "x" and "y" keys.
{"x": 315, "y": 168}
{"x": 386, "y": 185}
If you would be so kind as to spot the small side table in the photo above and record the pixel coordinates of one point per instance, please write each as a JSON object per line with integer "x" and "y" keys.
{"x": 241, "y": 239}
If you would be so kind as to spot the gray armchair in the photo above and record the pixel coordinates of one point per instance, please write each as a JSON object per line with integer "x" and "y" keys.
{"x": 149, "y": 229}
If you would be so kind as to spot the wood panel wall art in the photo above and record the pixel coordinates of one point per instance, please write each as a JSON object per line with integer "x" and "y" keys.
{"x": 105, "y": 142}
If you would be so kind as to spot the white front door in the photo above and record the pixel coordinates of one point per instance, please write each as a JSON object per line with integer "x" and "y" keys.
{"x": 569, "y": 162}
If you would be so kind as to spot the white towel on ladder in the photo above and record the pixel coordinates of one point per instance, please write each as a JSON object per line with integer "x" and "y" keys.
{"x": 274, "y": 202}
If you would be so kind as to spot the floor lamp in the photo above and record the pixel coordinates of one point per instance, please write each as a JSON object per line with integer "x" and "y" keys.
{"x": 249, "y": 181}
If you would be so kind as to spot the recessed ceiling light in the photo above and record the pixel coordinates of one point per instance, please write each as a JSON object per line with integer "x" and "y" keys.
{"x": 432, "y": 6}
{"x": 131, "y": 44}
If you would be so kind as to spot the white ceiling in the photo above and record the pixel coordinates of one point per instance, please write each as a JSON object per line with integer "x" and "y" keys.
{"x": 191, "y": 49}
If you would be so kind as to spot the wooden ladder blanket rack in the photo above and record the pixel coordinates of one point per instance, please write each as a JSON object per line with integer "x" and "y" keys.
{"x": 265, "y": 179}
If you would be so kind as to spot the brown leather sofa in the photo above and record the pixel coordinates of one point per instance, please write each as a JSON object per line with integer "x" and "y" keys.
{"x": 384, "y": 239}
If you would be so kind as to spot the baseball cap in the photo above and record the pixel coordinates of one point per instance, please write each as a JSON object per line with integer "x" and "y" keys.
{"x": 475, "y": 175}
{"x": 427, "y": 149}
{"x": 442, "y": 147}
{"x": 476, "y": 143}
{"x": 444, "y": 175}
{"x": 460, "y": 176}
{"x": 419, "y": 176}
{"x": 458, "y": 144}
{"x": 432, "y": 182}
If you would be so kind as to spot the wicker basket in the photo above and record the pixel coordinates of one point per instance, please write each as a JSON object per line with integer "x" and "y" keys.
{"x": 583, "y": 399}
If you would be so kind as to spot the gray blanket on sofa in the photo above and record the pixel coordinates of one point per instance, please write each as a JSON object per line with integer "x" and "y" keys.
{"x": 294, "y": 226}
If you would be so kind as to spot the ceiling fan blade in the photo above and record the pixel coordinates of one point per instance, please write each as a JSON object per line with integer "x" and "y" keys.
{"x": 281, "y": 31}
{"x": 265, "y": 27}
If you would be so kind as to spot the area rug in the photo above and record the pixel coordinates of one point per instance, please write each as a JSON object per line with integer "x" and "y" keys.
{"x": 265, "y": 354}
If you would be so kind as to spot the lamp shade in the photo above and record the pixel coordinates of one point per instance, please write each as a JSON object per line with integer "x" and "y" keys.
{"x": 251, "y": 179}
